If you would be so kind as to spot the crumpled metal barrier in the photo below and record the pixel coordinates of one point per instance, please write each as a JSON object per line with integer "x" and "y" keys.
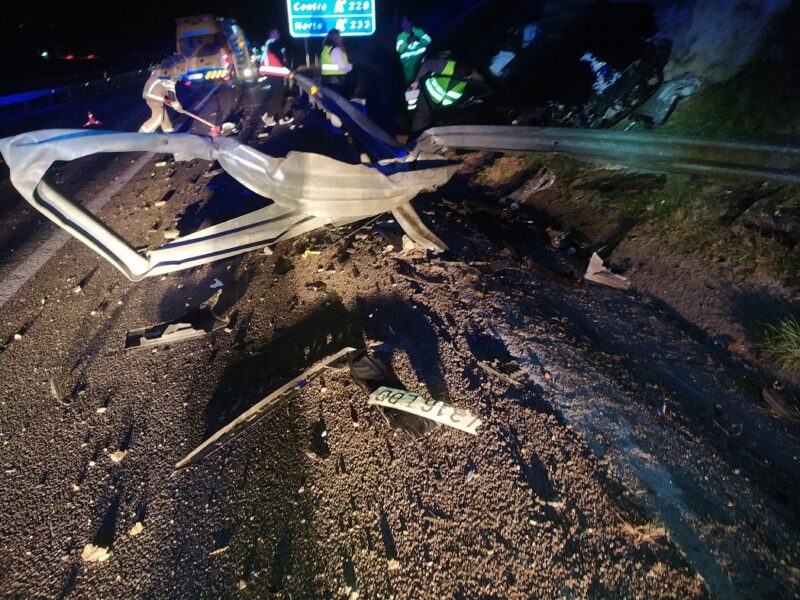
{"x": 639, "y": 150}
{"x": 308, "y": 191}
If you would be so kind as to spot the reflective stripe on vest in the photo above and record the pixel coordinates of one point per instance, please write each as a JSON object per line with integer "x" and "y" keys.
{"x": 443, "y": 88}
{"x": 328, "y": 66}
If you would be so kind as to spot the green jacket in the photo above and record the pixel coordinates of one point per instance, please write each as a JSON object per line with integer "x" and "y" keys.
{"x": 412, "y": 53}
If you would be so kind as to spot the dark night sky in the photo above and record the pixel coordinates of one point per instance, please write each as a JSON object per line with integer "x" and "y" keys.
{"x": 148, "y": 26}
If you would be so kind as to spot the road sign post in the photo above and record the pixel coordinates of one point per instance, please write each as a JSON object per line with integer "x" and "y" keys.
{"x": 314, "y": 18}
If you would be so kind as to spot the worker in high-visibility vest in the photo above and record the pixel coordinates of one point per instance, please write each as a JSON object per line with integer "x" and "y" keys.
{"x": 159, "y": 92}
{"x": 273, "y": 66}
{"x": 412, "y": 42}
{"x": 334, "y": 62}
{"x": 443, "y": 82}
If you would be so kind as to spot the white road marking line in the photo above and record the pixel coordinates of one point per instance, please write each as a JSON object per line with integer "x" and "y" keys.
{"x": 31, "y": 265}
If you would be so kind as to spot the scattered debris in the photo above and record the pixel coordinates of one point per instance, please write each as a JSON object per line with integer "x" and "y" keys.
{"x": 196, "y": 322}
{"x": 776, "y": 404}
{"x": 307, "y": 253}
{"x": 428, "y": 408}
{"x": 136, "y": 529}
{"x": 218, "y": 551}
{"x": 92, "y": 120}
{"x": 317, "y": 286}
{"x": 57, "y": 390}
{"x": 216, "y": 284}
{"x": 732, "y": 431}
{"x": 393, "y": 564}
{"x": 408, "y": 244}
{"x": 657, "y": 109}
{"x": 101, "y": 410}
{"x": 556, "y": 237}
{"x": 250, "y": 417}
{"x": 282, "y": 266}
{"x": 508, "y": 370}
{"x": 171, "y": 234}
{"x": 92, "y": 553}
{"x": 228, "y": 128}
{"x": 597, "y": 273}
{"x": 117, "y": 456}
{"x": 161, "y": 163}
{"x": 647, "y": 533}
{"x": 544, "y": 179}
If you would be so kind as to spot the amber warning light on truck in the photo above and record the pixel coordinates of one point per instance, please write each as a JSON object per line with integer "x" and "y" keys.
{"x": 315, "y": 19}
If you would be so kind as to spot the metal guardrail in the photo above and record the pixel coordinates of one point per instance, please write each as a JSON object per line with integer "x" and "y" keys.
{"x": 376, "y": 141}
{"x": 649, "y": 151}
{"x": 15, "y": 105}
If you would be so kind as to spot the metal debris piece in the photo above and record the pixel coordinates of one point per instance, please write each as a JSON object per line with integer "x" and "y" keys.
{"x": 254, "y": 414}
{"x": 197, "y": 322}
{"x": 543, "y": 180}
{"x": 409, "y": 220}
{"x": 308, "y": 191}
{"x": 427, "y": 408}
{"x": 599, "y": 274}
{"x": 508, "y": 370}
{"x": 777, "y": 405}
{"x": 657, "y": 109}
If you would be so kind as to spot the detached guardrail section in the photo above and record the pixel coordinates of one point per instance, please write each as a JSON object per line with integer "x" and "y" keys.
{"x": 308, "y": 191}
{"x": 23, "y": 103}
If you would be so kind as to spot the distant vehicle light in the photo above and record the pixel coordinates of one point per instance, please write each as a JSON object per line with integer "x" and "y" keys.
{"x": 45, "y": 54}
{"x": 91, "y": 56}
{"x": 248, "y": 72}
{"x": 69, "y": 56}
{"x": 195, "y": 76}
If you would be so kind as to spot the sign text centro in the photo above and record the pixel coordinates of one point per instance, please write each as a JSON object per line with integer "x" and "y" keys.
{"x": 316, "y": 19}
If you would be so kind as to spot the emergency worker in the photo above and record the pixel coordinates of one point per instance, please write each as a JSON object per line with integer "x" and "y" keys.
{"x": 335, "y": 62}
{"x": 441, "y": 82}
{"x": 273, "y": 66}
{"x": 159, "y": 92}
{"x": 412, "y": 43}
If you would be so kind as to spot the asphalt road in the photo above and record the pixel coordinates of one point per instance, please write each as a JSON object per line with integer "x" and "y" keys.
{"x": 578, "y": 483}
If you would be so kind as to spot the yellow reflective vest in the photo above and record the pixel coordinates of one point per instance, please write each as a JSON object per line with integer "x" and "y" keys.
{"x": 328, "y": 66}
{"x": 443, "y": 89}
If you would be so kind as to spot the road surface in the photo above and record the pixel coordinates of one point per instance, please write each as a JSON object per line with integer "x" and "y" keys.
{"x": 611, "y": 469}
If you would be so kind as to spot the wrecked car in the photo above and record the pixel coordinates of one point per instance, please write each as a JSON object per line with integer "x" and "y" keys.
{"x": 553, "y": 63}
